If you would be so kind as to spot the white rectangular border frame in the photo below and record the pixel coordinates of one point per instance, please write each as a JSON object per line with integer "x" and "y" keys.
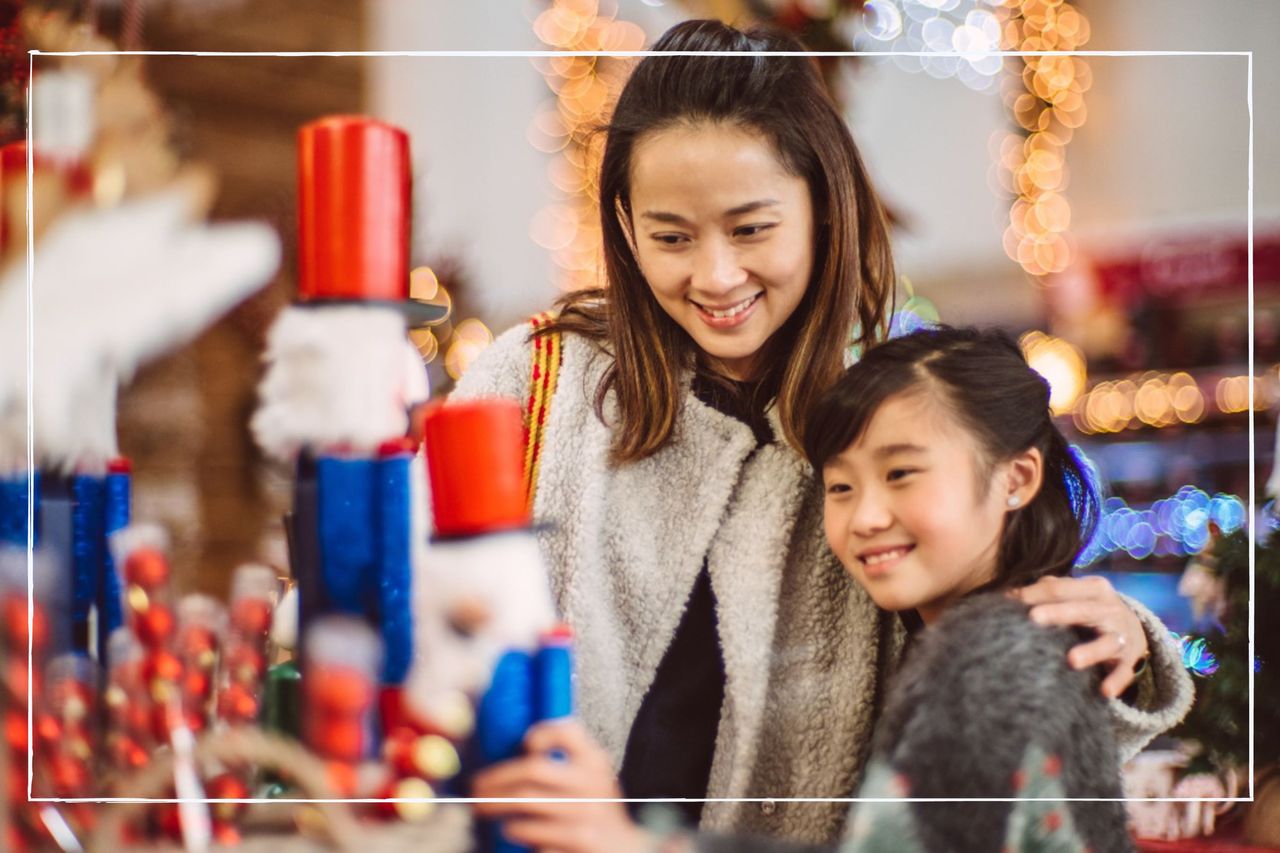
{"x": 534, "y": 54}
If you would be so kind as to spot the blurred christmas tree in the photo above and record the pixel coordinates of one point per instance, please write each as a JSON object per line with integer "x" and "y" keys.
{"x": 1219, "y": 720}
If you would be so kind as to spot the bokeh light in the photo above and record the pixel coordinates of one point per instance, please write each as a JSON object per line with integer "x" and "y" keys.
{"x": 1178, "y": 525}
{"x": 1060, "y": 363}
{"x": 1047, "y": 106}
{"x": 585, "y": 88}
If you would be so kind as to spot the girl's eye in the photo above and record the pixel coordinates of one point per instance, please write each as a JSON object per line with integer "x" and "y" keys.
{"x": 899, "y": 473}
{"x": 752, "y": 230}
{"x": 837, "y": 488}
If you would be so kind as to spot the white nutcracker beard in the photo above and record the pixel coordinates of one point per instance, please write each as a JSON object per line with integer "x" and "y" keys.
{"x": 502, "y": 571}
{"x": 337, "y": 377}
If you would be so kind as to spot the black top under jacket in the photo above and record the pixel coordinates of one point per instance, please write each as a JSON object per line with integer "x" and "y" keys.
{"x": 673, "y": 738}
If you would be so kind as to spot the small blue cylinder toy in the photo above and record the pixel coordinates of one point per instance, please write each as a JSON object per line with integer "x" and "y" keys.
{"x": 526, "y": 689}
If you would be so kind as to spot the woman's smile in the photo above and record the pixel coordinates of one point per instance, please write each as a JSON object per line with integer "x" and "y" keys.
{"x": 729, "y": 317}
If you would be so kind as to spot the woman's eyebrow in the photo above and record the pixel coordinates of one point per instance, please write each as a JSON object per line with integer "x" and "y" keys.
{"x": 677, "y": 219}
{"x": 664, "y": 216}
{"x": 751, "y": 206}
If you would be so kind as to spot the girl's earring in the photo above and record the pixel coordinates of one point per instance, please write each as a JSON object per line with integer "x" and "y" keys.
{"x": 1014, "y": 502}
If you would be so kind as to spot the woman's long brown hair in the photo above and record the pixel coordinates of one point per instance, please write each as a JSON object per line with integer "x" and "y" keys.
{"x": 782, "y": 98}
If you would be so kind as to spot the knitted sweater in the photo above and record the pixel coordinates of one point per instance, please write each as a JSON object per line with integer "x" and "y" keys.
{"x": 806, "y": 651}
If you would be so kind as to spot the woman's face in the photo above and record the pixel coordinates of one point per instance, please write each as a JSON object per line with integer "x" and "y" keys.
{"x": 723, "y": 236}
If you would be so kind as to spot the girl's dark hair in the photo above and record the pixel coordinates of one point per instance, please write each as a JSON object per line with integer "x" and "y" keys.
{"x": 982, "y": 378}
{"x": 782, "y": 98}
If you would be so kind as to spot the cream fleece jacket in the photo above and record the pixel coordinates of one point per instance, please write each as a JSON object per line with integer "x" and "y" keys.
{"x": 807, "y": 654}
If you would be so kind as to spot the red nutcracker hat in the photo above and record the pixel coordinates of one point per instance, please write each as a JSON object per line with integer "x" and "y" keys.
{"x": 475, "y": 460}
{"x": 354, "y": 203}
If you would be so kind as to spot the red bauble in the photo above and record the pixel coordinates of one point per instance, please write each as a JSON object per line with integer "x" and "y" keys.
{"x": 252, "y": 616}
{"x": 48, "y": 729}
{"x": 227, "y": 786}
{"x": 238, "y": 704}
{"x": 245, "y": 663}
{"x": 147, "y": 568}
{"x": 154, "y": 626}
{"x": 196, "y": 685}
{"x": 195, "y": 719}
{"x": 198, "y": 644}
{"x": 15, "y": 679}
{"x": 226, "y": 834}
{"x": 339, "y": 691}
{"x": 136, "y": 718}
{"x": 342, "y": 778}
{"x": 343, "y": 740}
{"x": 127, "y": 753}
{"x": 160, "y": 722}
{"x": 397, "y": 751}
{"x": 15, "y": 730}
{"x": 70, "y": 776}
{"x": 163, "y": 666}
{"x": 13, "y": 613}
{"x": 168, "y": 821}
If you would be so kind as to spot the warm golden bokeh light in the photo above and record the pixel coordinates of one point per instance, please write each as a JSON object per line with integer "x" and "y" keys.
{"x": 1048, "y": 107}
{"x": 1061, "y": 364}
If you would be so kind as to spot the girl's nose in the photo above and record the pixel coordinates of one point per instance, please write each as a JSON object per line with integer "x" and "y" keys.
{"x": 869, "y": 516}
{"x": 718, "y": 269}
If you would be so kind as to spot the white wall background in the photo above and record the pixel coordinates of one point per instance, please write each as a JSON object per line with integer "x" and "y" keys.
{"x": 1165, "y": 145}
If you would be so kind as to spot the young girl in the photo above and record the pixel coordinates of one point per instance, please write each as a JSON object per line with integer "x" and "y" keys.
{"x": 720, "y": 652}
{"x": 945, "y": 482}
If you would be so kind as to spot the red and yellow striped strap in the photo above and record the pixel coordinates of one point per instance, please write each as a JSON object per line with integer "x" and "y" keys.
{"x": 542, "y": 387}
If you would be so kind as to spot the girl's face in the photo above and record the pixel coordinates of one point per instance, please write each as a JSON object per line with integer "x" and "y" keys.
{"x": 906, "y": 513}
{"x": 723, "y": 235}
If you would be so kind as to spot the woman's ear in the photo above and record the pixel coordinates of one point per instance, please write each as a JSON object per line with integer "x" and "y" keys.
{"x": 1024, "y": 475}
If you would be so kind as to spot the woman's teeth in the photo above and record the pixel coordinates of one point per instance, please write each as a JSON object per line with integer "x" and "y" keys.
{"x": 872, "y": 559}
{"x": 731, "y": 312}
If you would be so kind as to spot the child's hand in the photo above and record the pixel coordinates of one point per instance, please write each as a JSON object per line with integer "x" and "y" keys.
{"x": 1093, "y": 603}
{"x": 584, "y": 773}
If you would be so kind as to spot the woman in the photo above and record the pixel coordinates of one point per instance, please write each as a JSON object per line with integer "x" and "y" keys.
{"x": 721, "y": 651}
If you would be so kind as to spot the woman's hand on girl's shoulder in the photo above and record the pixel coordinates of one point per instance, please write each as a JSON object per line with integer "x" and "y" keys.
{"x": 561, "y": 762}
{"x": 1121, "y": 642}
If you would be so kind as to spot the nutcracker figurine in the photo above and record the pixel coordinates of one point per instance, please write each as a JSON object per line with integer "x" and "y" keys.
{"x": 341, "y": 379}
{"x": 111, "y": 288}
{"x": 487, "y": 629}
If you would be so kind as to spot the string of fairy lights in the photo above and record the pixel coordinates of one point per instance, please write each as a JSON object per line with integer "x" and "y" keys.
{"x": 1047, "y": 102}
{"x": 585, "y": 89}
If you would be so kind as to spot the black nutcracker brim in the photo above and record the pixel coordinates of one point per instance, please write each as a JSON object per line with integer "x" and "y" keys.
{"x": 416, "y": 312}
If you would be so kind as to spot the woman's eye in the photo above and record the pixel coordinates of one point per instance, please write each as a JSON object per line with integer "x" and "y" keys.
{"x": 752, "y": 230}
{"x": 669, "y": 239}
{"x": 837, "y": 488}
{"x": 899, "y": 473}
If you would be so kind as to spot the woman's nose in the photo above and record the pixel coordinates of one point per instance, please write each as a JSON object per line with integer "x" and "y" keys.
{"x": 718, "y": 268}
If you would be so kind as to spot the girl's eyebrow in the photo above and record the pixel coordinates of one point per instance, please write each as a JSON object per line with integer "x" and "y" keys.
{"x": 677, "y": 219}
{"x": 887, "y": 450}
